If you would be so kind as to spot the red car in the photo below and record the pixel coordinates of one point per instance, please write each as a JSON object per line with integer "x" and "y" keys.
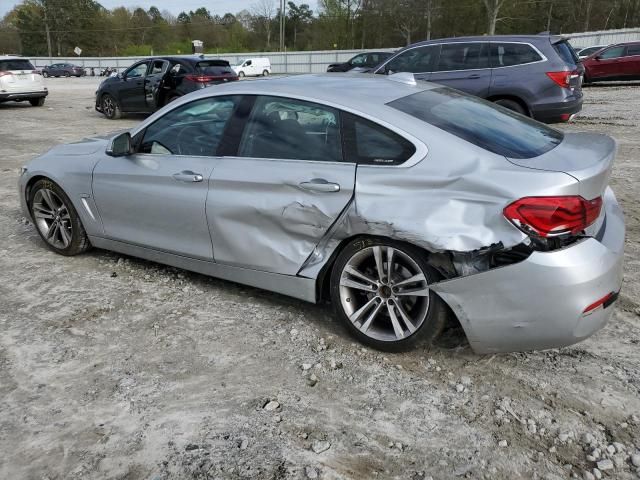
{"x": 615, "y": 62}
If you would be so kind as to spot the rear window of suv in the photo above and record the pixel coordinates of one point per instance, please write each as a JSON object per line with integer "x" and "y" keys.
{"x": 213, "y": 67}
{"x": 508, "y": 54}
{"x": 481, "y": 123}
{"x": 17, "y": 64}
{"x": 566, "y": 52}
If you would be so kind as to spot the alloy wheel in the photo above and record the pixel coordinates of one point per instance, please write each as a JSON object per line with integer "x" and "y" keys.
{"x": 52, "y": 218}
{"x": 384, "y": 293}
{"x": 108, "y": 106}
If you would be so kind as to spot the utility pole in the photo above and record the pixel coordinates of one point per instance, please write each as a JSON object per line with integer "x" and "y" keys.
{"x": 46, "y": 27}
{"x": 549, "y": 17}
{"x": 283, "y": 8}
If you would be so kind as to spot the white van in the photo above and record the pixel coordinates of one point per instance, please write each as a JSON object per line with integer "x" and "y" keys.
{"x": 20, "y": 81}
{"x": 253, "y": 67}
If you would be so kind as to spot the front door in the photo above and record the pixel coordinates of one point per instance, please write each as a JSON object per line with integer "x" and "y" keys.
{"x": 420, "y": 61}
{"x": 156, "y": 197}
{"x": 270, "y": 205}
{"x": 153, "y": 83}
{"x": 608, "y": 63}
{"x": 131, "y": 88}
{"x": 464, "y": 66}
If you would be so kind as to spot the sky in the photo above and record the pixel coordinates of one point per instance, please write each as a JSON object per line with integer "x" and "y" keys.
{"x": 175, "y": 7}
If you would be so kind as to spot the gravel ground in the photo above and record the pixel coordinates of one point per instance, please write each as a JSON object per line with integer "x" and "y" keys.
{"x": 113, "y": 367}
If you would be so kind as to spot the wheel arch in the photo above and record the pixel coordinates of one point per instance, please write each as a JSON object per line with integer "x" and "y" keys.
{"x": 515, "y": 98}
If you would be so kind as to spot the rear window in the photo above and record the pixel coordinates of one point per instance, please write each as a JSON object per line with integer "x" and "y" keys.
{"x": 213, "y": 67}
{"x": 633, "y": 50}
{"x": 566, "y": 52}
{"x": 17, "y": 64}
{"x": 463, "y": 56}
{"x": 509, "y": 54}
{"x": 481, "y": 123}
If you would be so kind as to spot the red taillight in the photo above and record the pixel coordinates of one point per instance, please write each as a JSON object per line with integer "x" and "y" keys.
{"x": 562, "y": 78}
{"x": 208, "y": 78}
{"x": 552, "y": 216}
{"x": 2, "y": 74}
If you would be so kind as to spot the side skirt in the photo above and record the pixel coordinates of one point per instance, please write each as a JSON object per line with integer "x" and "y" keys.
{"x": 292, "y": 286}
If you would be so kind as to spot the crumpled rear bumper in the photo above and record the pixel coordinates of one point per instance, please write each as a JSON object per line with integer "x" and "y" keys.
{"x": 539, "y": 302}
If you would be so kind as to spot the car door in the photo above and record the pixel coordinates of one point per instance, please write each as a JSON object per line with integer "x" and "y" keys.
{"x": 631, "y": 61}
{"x": 420, "y": 61}
{"x": 156, "y": 196}
{"x": 464, "y": 66}
{"x": 607, "y": 63}
{"x": 272, "y": 201}
{"x": 131, "y": 90}
{"x": 153, "y": 83}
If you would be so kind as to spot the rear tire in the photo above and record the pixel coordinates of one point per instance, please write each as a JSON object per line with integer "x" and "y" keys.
{"x": 265, "y": 73}
{"x": 374, "y": 301}
{"x": 240, "y": 74}
{"x": 67, "y": 74}
{"x": 511, "y": 105}
{"x": 110, "y": 107}
{"x": 37, "y": 102}
{"x": 56, "y": 219}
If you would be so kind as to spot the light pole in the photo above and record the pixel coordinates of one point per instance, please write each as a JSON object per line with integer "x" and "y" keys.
{"x": 283, "y": 9}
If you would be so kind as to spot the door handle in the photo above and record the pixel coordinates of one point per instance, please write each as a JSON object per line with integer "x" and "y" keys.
{"x": 320, "y": 185}
{"x": 474, "y": 76}
{"x": 188, "y": 176}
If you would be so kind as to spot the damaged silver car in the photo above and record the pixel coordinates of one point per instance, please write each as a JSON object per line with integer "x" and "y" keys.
{"x": 401, "y": 202}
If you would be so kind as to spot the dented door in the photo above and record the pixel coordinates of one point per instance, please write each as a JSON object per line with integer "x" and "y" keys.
{"x": 269, "y": 214}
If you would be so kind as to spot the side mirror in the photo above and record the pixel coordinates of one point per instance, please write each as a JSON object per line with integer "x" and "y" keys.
{"x": 120, "y": 146}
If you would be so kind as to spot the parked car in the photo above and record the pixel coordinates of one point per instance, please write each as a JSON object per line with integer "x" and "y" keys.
{"x": 588, "y": 51}
{"x": 20, "y": 81}
{"x": 253, "y": 67}
{"x": 62, "y": 70}
{"x": 150, "y": 84}
{"x": 397, "y": 200}
{"x": 616, "y": 62}
{"x": 362, "y": 60}
{"x": 534, "y": 75}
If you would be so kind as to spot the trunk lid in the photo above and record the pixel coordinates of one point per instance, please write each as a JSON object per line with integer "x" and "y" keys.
{"x": 587, "y": 157}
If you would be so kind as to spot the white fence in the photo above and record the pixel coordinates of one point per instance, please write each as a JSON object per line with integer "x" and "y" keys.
{"x": 317, "y": 61}
{"x": 289, "y": 62}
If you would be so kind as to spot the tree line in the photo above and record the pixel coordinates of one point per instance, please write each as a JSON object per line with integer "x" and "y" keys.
{"x": 56, "y": 27}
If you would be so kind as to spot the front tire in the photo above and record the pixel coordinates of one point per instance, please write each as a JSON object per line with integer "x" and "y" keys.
{"x": 36, "y": 102}
{"x": 110, "y": 107}
{"x": 45, "y": 74}
{"x": 380, "y": 291}
{"x": 56, "y": 219}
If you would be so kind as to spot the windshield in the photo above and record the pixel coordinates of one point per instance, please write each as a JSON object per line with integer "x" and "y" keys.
{"x": 481, "y": 123}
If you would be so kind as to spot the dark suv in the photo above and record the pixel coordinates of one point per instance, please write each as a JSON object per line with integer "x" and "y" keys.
{"x": 152, "y": 83}
{"x": 536, "y": 75}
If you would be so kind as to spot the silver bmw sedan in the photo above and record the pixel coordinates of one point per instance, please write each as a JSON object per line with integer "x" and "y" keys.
{"x": 402, "y": 203}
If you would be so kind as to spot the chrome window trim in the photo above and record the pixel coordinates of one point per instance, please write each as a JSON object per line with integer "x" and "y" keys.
{"x": 542, "y": 56}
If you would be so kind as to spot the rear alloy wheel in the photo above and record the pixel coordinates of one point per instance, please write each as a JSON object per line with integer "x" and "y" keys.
{"x": 511, "y": 105}
{"x": 110, "y": 107}
{"x": 56, "y": 219}
{"x": 241, "y": 74}
{"x": 37, "y": 102}
{"x": 67, "y": 74}
{"x": 380, "y": 289}
{"x": 265, "y": 73}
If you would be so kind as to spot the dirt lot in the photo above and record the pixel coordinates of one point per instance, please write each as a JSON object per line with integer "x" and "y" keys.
{"x": 113, "y": 367}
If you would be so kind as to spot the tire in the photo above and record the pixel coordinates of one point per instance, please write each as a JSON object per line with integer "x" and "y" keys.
{"x": 110, "y": 107}
{"x": 37, "y": 102}
{"x": 511, "y": 105}
{"x": 56, "y": 219}
{"x": 265, "y": 73}
{"x": 45, "y": 74}
{"x": 240, "y": 74}
{"x": 67, "y": 74}
{"x": 383, "y": 315}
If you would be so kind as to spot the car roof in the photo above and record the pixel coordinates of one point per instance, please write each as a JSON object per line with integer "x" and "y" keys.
{"x": 190, "y": 59}
{"x": 494, "y": 38}
{"x": 12, "y": 57}
{"x": 347, "y": 89}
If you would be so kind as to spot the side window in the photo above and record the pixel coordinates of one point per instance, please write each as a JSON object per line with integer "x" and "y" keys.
{"x": 286, "y": 128}
{"x": 371, "y": 144}
{"x": 614, "y": 52}
{"x": 633, "y": 50}
{"x": 157, "y": 67}
{"x": 137, "y": 71}
{"x": 463, "y": 56}
{"x": 359, "y": 60}
{"x": 192, "y": 129}
{"x": 416, "y": 60}
{"x": 509, "y": 54}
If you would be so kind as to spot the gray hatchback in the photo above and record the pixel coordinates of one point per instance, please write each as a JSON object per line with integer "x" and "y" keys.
{"x": 535, "y": 75}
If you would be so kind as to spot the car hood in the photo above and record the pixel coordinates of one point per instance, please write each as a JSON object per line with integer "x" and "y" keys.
{"x": 86, "y": 146}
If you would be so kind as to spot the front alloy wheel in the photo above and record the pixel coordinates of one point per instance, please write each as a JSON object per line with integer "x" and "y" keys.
{"x": 110, "y": 107}
{"x": 381, "y": 291}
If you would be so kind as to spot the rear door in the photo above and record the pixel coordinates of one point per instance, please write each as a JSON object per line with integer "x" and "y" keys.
{"x": 464, "y": 66}
{"x": 631, "y": 66}
{"x": 420, "y": 61}
{"x": 131, "y": 89}
{"x": 272, "y": 201}
{"x": 156, "y": 196}
{"x": 153, "y": 83}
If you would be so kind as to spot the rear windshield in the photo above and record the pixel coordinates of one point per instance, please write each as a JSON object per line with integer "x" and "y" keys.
{"x": 566, "y": 52}
{"x": 481, "y": 123}
{"x": 16, "y": 64}
{"x": 213, "y": 67}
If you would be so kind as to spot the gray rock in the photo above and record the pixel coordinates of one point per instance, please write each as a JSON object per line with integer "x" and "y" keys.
{"x": 306, "y": 366}
{"x": 311, "y": 472}
{"x": 319, "y": 446}
{"x": 563, "y": 437}
{"x": 597, "y": 473}
{"x": 605, "y": 465}
{"x": 611, "y": 449}
{"x": 588, "y": 476}
{"x": 312, "y": 380}
{"x": 271, "y": 406}
{"x": 503, "y": 443}
{"x": 588, "y": 439}
{"x": 635, "y": 459}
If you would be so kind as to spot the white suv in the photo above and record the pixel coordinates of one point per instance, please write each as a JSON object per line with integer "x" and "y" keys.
{"x": 19, "y": 81}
